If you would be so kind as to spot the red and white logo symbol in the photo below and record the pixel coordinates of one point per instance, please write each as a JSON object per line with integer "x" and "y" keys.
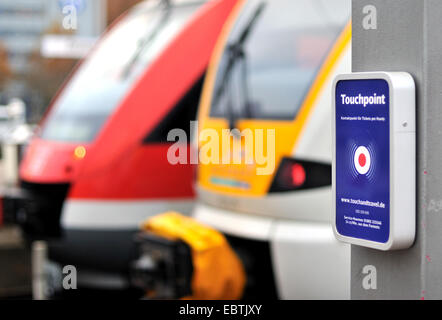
{"x": 362, "y": 160}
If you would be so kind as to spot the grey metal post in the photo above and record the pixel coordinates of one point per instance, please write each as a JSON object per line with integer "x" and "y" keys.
{"x": 39, "y": 279}
{"x": 407, "y": 36}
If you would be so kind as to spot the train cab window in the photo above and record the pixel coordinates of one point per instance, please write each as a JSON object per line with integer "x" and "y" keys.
{"x": 273, "y": 55}
{"x": 118, "y": 61}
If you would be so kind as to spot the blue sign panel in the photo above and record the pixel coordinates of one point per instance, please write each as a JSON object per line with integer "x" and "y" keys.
{"x": 363, "y": 159}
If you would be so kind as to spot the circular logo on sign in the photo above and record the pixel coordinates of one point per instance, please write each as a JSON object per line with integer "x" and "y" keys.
{"x": 362, "y": 160}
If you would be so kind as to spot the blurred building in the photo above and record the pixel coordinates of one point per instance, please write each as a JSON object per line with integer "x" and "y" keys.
{"x": 22, "y": 23}
{"x": 38, "y": 51}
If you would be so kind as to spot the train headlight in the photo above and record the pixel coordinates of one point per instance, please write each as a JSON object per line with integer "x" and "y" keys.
{"x": 80, "y": 152}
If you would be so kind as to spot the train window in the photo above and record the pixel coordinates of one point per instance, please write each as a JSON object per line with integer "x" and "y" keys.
{"x": 112, "y": 69}
{"x": 272, "y": 56}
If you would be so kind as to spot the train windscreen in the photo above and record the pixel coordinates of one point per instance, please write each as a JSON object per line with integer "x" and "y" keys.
{"x": 108, "y": 74}
{"x": 273, "y": 55}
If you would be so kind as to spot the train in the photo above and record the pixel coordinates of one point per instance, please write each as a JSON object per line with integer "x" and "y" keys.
{"x": 269, "y": 84}
{"x": 97, "y": 165}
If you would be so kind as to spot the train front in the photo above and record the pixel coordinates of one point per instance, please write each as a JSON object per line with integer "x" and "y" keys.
{"x": 90, "y": 175}
{"x": 264, "y": 178}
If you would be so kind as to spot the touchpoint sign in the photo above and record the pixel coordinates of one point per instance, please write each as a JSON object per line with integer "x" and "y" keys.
{"x": 374, "y": 159}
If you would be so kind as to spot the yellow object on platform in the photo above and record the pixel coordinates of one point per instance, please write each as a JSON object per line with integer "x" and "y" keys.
{"x": 218, "y": 273}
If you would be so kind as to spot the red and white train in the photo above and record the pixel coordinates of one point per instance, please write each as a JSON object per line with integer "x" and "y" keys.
{"x": 98, "y": 165}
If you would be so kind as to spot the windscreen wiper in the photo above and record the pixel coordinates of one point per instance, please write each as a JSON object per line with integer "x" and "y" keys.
{"x": 148, "y": 40}
{"x": 236, "y": 53}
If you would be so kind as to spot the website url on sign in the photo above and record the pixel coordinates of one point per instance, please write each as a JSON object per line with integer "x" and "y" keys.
{"x": 364, "y": 202}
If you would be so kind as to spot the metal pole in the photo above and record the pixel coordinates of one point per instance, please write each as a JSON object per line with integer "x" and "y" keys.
{"x": 405, "y": 35}
{"x": 39, "y": 259}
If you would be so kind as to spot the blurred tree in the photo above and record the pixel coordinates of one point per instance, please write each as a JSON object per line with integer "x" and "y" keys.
{"x": 117, "y": 7}
{"x": 5, "y": 70}
{"x": 46, "y": 75}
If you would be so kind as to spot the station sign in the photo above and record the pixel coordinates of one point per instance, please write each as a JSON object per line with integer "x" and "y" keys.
{"x": 374, "y": 159}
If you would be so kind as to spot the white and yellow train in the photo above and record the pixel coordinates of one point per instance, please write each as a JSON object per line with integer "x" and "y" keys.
{"x": 272, "y": 69}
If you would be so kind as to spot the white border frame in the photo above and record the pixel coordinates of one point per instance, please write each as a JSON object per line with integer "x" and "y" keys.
{"x": 402, "y": 112}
